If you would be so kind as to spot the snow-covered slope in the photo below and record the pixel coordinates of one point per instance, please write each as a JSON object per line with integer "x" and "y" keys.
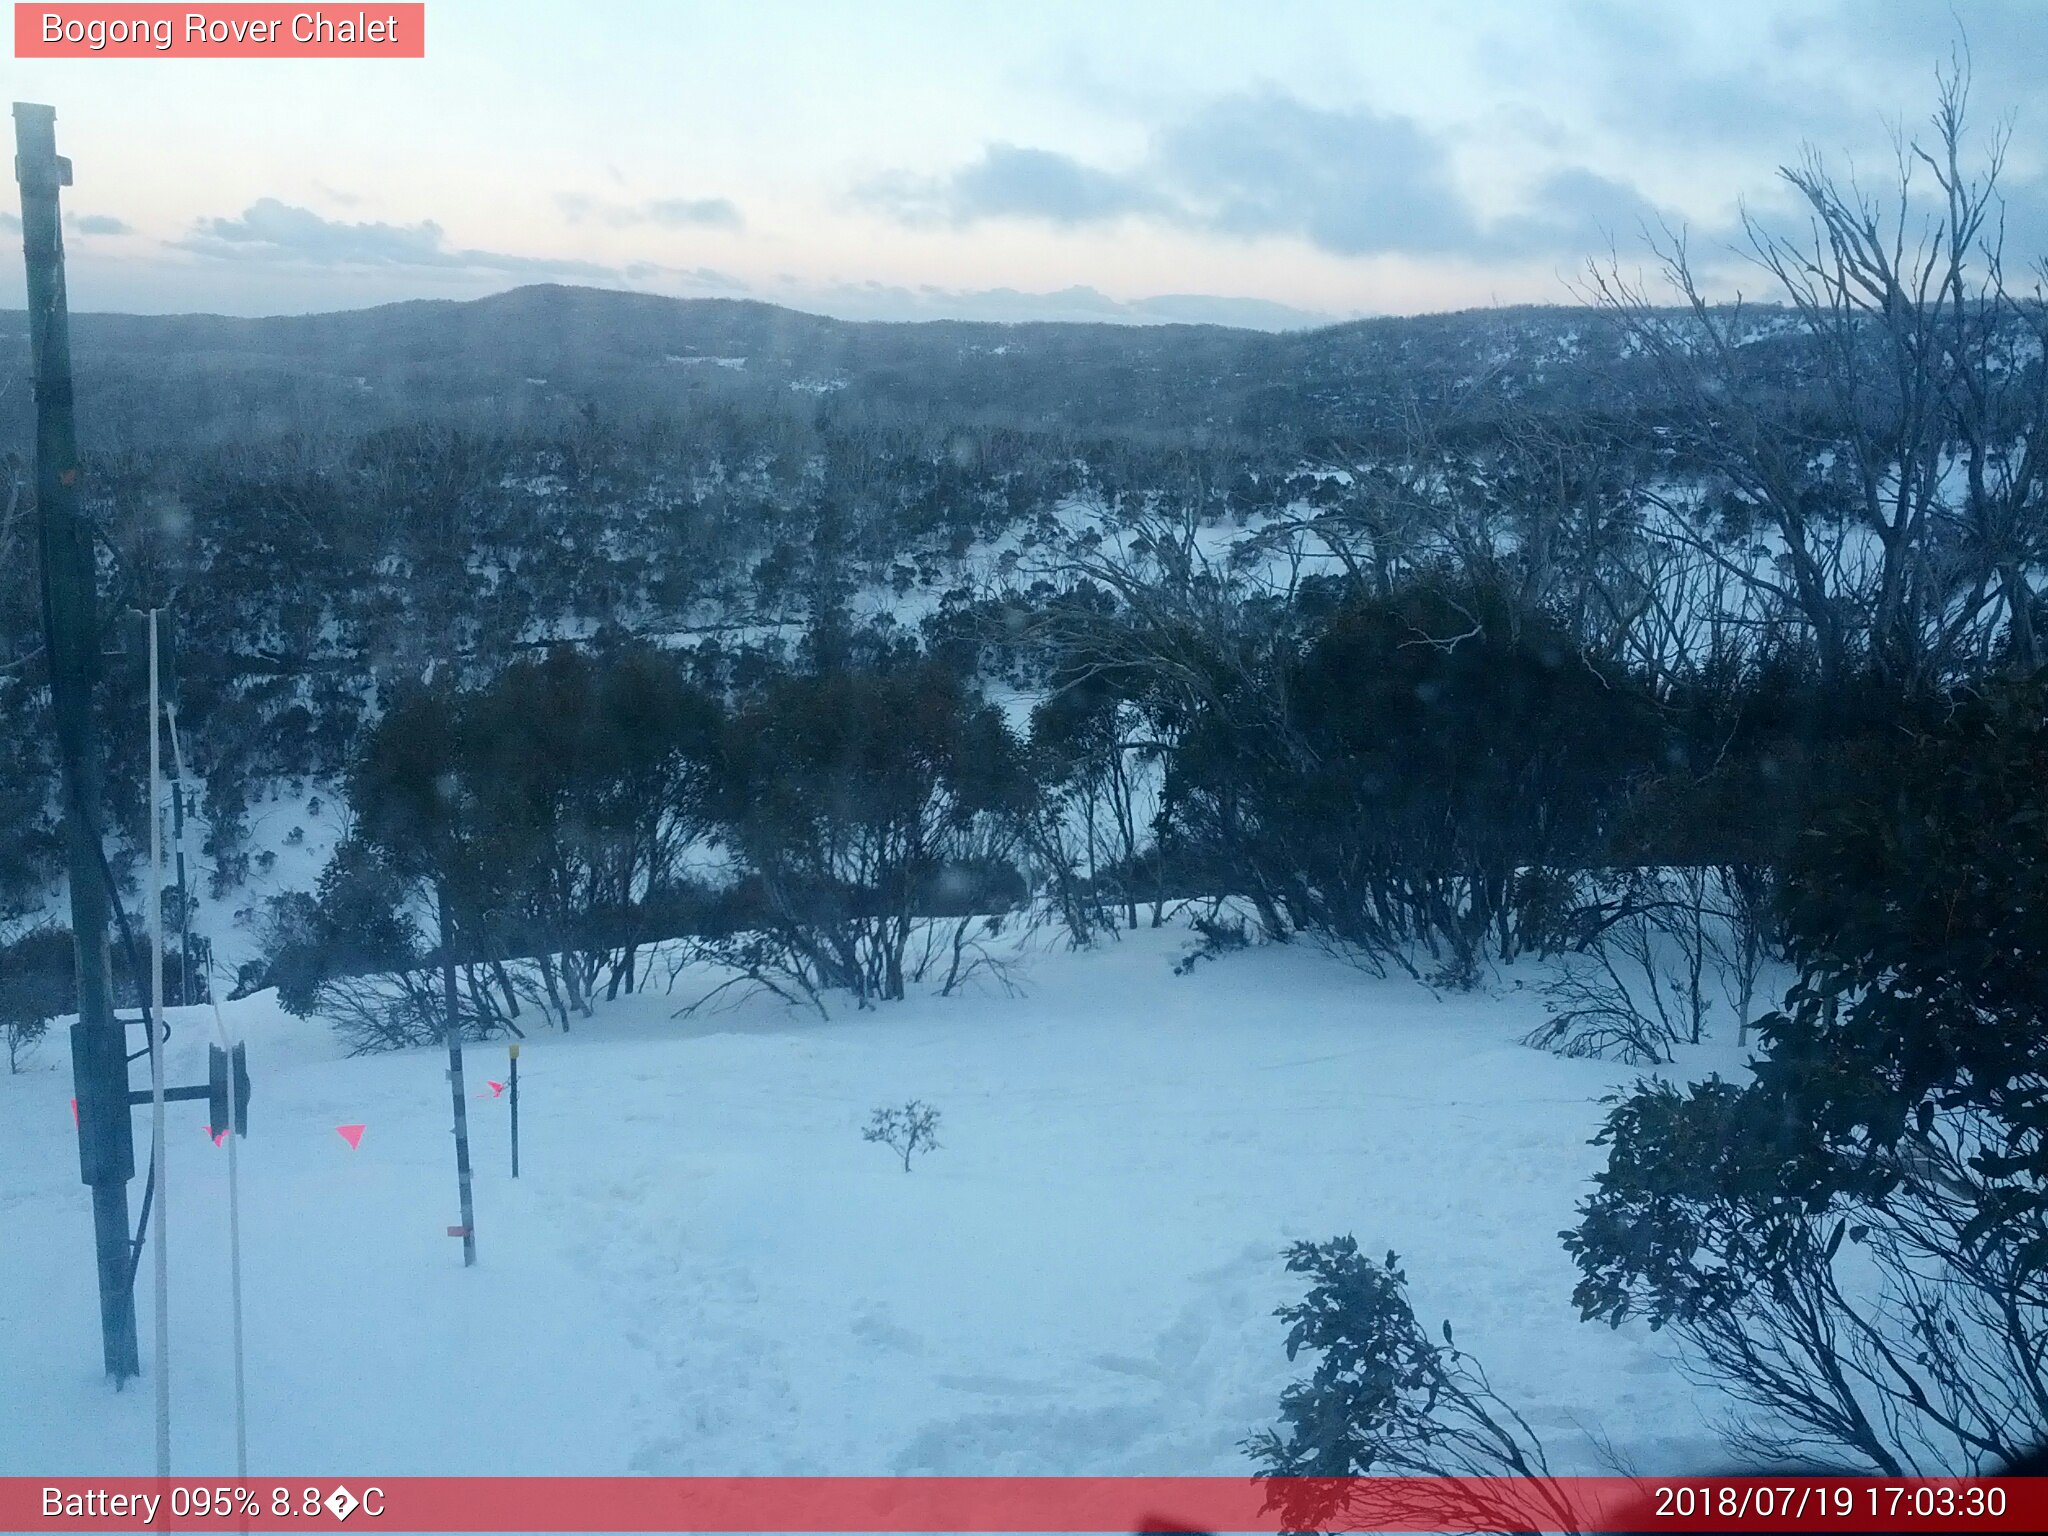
{"x": 704, "y": 1269}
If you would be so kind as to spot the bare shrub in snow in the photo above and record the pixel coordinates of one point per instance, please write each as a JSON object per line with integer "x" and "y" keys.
{"x": 1593, "y": 1009}
{"x": 907, "y": 1131}
{"x": 1218, "y": 935}
{"x": 1640, "y": 980}
{"x": 385, "y": 1011}
{"x": 1612, "y": 1000}
{"x": 22, "y": 1038}
{"x": 400, "y": 1010}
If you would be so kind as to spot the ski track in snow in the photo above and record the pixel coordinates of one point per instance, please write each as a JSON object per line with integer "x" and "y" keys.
{"x": 704, "y": 1269}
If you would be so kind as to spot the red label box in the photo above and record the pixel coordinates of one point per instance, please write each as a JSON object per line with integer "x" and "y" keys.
{"x": 1076, "y": 1505}
{"x": 242, "y": 31}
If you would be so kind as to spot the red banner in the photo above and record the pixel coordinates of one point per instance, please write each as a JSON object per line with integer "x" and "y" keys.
{"x": 1005, "y": 1504}
{"x": 101, "y": 31}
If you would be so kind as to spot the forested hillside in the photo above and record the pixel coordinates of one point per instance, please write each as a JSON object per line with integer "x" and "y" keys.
{"x": 525, "y": 354}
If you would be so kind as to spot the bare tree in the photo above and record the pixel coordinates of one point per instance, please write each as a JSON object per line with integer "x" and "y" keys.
{"x": 1898, "y": 473}
{"x": 1384, "y": 508}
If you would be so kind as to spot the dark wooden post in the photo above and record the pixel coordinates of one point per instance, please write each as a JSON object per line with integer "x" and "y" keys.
{"x": 99, "y": 1052}
{"x": 467, "y": 1231}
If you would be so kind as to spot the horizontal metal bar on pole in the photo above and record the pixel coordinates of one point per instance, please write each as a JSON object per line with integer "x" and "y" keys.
{"x": 143, "y": 1096}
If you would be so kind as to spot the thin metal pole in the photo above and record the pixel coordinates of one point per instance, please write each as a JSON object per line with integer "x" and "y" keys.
{"x": 156, "y": 1063}
{"x": 514, "y": 1048}
{"x": 235, "y": 1282}
{"x": 220, "y": 1028}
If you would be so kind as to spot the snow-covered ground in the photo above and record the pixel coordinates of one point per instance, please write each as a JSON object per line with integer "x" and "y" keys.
{"x": 704, "y": 1269}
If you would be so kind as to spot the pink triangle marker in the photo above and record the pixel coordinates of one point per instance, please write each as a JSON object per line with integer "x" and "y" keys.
{"x": 218, "y": 1136}
{"x": 352, "y": 1134}
{"x": 496, "y": 1088}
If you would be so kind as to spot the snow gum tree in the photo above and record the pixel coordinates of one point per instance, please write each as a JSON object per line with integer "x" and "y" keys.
{"x": 860, "y": 803}
{"x": 1856, "y": 1244}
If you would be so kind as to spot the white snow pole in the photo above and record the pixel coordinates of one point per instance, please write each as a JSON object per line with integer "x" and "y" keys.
{"x": 220, "y": 1028}
{"x": 156, "y": 1066}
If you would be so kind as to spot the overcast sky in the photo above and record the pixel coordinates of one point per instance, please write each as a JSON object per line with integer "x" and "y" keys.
{"x": 1263, "y": 163}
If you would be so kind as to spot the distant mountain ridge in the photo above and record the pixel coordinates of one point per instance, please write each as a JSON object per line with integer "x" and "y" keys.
{"x": 145, "y": 377}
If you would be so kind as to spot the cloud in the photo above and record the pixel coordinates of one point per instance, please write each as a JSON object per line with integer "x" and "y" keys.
{"x": 2004, "y": 41}
{"x": 1656, "y": 76}
{"x": 1582, "y": 212}
{"x": 680, "y": 212}
{"x": 99, "y": 224}
{"x": 665, "y": 212}
{"x": 1010, "y": 181}
{"x": 270, "y": 230}
{"x": 2025, "y": 227}
{"x": 1835, "y": 73}
{"x": 1352, "y": 181}
{"x": 696, "y": 282}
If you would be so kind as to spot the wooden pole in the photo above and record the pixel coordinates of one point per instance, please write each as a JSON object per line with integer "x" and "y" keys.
{"x": 178, "y": 856}
{"x": 168, "y": 665}
{"x": 71, "y": 638}
{"x": 453, "y": 1028}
